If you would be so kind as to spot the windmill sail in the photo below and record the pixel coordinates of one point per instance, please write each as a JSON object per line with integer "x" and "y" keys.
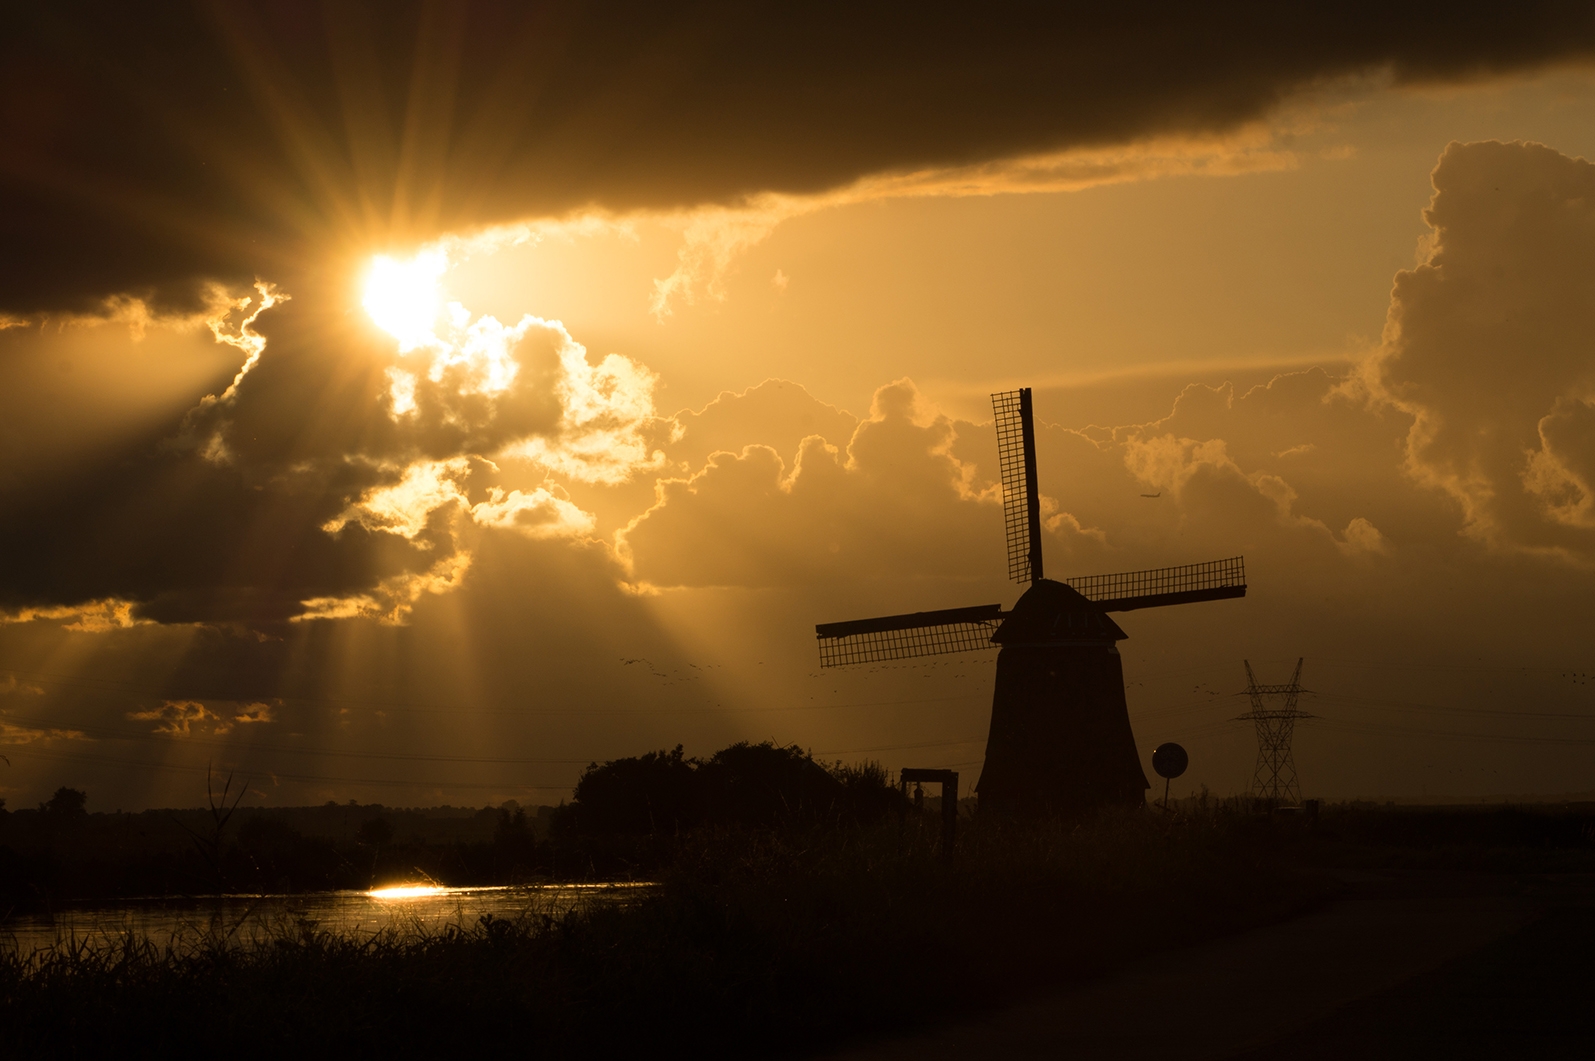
{"x": 908, "y": 636}
{"x": 1128, "y": 590}
{"x": 1021, "y": 500}
{"x": 919, "y": 634}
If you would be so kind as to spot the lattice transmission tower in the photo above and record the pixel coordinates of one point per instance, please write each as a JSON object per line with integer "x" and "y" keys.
{"x": 1275, "y": 714}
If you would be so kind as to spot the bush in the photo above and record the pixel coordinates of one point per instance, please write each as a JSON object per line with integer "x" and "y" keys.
{"x": 745, "y": 785}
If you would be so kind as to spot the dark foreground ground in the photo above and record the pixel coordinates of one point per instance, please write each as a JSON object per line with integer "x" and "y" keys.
{"x": 1216, "y": 932}
{"x": 1407, "y": 965}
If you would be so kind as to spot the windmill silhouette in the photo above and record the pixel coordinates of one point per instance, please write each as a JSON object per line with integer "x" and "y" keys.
{"x": 1060, "y": 739}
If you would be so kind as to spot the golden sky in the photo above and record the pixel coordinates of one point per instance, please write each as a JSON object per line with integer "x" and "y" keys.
{"x": 424, "y": 438}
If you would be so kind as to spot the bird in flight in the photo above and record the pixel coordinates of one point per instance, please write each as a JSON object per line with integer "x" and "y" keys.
{"x": 1158, "y": 494}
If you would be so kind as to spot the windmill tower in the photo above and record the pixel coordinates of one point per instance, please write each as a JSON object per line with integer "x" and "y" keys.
{"x": 1274, "y": 778}
{"x": 1060, "y": 738}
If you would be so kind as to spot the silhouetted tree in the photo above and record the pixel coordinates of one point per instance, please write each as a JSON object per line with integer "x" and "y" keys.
{"x": 67, "y": 805}
{"x": 376, "y": 832}
{"x": 513, "y": 844}
{"x": 643, "y": 794}
{"x": 756, "y": 785}
{"x": 766, "y": 785}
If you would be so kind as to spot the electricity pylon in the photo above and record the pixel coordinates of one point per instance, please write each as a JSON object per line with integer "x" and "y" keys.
{"x": 1275, "y": 776}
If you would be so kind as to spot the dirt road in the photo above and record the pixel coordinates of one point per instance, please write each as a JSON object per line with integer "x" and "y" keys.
{"x": 1411, "y": 966}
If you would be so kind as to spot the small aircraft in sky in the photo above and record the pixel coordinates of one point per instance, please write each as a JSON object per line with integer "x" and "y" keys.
{"x": 1158, "y": 494}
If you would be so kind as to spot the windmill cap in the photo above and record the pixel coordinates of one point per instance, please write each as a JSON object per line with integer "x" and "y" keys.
{"x": 1052, "y": 612}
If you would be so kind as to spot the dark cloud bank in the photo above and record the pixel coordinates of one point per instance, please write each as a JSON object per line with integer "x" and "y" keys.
{"x": 150, "y": 145}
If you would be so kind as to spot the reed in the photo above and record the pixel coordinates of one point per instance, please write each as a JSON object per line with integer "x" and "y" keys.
{"x": 758, "y": 942}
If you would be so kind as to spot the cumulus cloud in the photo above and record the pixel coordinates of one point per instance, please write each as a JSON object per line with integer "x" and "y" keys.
{"x": 343, "y": 470}
{"x": 251, "y": 145}
{"x": 911, "y": 493}
{"x": 1490, "y": 347}
{"x": 344, "y": 495}
{"x": 893, "y": 502}
{"x": 1363, "y": 537}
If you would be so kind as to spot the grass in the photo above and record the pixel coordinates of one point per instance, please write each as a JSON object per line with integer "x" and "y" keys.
{"x": 757, "y": 943}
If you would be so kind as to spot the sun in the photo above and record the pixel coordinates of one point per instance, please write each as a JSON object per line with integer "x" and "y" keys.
{"x": 404, "y": 297}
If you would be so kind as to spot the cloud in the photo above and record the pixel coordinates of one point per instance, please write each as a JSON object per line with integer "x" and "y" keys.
{"x": 254, "y": 714}
{"x": 343, "y": 497}
{"x": 713, "y": 237}
{"x": 893, "y": 502}
{"x": 392, "y": 599}
{"x": 262, "y": 139}
{"x": 312, "y": 483}
{"x": 90, "y": 617}
{"x": 13, "y": 734}
{"x": 913, "y": 493}
{"x": 175, "y": 718}
{"x": 9, "y": 684}
{"x": 1488, "y": 348}
{"x": 1363, "y": 537}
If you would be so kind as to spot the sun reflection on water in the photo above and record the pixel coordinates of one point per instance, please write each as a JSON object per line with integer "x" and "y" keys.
{"x": 407, "y": 891}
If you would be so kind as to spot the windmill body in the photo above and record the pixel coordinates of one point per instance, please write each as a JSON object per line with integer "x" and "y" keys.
{"x": 1060, "y": 739}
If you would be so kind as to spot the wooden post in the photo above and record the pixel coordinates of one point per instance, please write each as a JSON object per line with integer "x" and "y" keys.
{"x": 949, "y": 814}
{"x": 948, "y": 779}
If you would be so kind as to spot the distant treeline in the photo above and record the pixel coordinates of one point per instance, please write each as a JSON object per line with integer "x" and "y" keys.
{"x": 621, "y": 822}
{"x": 61, "y": 852}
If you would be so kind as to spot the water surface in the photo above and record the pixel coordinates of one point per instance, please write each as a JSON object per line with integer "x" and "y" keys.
{"x": 254, "y": 919}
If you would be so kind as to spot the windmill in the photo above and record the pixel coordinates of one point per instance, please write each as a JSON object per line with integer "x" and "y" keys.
{"x": 1060, "y": 738}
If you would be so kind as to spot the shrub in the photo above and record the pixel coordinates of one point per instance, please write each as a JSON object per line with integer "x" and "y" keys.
{"x": 745, "y": 785}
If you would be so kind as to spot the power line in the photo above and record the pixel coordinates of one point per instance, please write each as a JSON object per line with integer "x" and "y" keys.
{"x": 41, "y": 753}
{"x": 212, "y": 742}
{"x": 456, "y": 710}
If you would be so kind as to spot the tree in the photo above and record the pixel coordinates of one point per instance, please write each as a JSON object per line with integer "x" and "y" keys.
{"x": 376, "y": 832}
{"x": 67, "y": 805}
{"x": 766, "y": 785}
{"x": 643, "y": 794}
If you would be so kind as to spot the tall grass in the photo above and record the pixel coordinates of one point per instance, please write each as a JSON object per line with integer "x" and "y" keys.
{"x": 756, "y": 943}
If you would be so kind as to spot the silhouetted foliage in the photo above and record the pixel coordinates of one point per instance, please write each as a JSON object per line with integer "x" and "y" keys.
{"x": 643, "y": 794}
{"x": 67, "y": 805}
{"x": 766, "y": 785}
{"x": 747, "y": 785}
{"x": 376, "y": 832}
{"x": 867, "y": 790}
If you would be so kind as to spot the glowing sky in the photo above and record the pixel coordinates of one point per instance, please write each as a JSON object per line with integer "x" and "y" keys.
{"x": 380, "y": 465}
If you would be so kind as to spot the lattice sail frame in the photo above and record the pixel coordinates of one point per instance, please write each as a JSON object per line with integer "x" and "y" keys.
{"x": 1021, "y": 500}
{"x": 1154, "y": 587}
{"x": 912, "y": 636}
{"x": 917, "y": 634}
